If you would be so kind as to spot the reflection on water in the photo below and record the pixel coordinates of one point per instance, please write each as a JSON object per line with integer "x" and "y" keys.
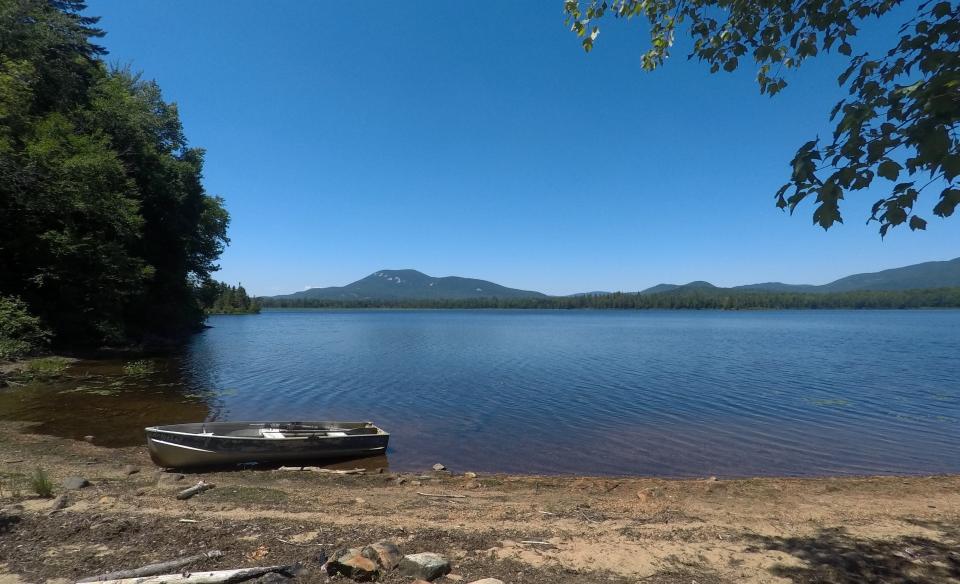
{"x": 590, "y": 392}
{"x": 99, "y": 399}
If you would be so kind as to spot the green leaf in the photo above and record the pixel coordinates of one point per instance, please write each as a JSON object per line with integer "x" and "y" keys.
{"x": 889, "y": 169}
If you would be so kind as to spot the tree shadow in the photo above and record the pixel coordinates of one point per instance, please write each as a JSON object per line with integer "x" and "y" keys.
{"x": 834, "y": 556}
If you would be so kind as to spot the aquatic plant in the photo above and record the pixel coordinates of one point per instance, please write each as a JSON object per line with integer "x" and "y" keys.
{"x": 140, "y": 367}
{"x": 46, "y": 367}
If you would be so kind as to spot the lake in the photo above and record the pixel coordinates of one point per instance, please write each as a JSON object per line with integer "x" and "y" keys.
{"x": 682, "y": 393}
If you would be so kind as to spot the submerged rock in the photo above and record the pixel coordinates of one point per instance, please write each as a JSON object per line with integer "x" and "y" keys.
{"x": 426, "y": 565}
{"x": 74, "y": 483}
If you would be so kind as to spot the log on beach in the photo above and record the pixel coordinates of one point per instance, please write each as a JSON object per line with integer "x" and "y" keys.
{"x": 217, "y": 577}
{"x": 153, "y": 569}
{"x": 194, "y": 490}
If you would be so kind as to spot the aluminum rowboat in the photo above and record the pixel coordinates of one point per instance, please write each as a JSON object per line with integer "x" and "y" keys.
{"x": 222, "y": 443}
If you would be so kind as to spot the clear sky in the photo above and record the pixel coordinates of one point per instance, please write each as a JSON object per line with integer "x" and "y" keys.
{"x": 477, "y": 139}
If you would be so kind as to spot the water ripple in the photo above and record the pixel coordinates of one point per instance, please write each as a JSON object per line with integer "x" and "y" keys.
{"x": 658, "y": 393}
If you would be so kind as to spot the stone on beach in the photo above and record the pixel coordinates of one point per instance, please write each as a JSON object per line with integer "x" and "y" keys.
{"x": 130, "y": 470}
{"x": 74, "y": 483}
{"x": 487, "y": 581}
{"x": 426, "y": 565}
{"x": 59, "y": 503}
{"x": 360, "y": 564}
{"x": 439, "y": 466}
{"x": 388, "y": 554}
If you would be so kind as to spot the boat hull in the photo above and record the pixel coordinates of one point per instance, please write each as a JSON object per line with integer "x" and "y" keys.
{"x": 173, "y": 447}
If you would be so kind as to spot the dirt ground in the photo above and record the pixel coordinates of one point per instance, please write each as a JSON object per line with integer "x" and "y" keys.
{"x": 520, "y": 529}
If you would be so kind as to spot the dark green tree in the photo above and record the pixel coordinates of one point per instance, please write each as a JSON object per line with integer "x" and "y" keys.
{"x": 106, "y": 231}
{"x": 899, "y": 121}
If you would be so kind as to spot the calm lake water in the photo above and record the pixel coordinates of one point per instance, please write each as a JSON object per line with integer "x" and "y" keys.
{"x": 589, "y": 392}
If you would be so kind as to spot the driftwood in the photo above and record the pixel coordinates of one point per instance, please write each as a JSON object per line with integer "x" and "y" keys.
{"x": 194, "y": 490}
{"x": 324, "y": 470}
{"x": 152, "y": 569}
{"x": 537, "y": 542}
{"x": 218, "y": 577}
{"x": 441, "y": 495}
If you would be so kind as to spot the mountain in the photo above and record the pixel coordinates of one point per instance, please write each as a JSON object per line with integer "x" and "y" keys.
{"x": 696, "y": 285}
{"x": 412, "y": 285}
{"x": 944, "y": 274}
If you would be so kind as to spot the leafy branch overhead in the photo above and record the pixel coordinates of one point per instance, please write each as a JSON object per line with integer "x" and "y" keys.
{"x": 898, "y": 122}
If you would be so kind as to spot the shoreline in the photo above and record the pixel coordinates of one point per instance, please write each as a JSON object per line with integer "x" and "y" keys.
{"x": 589, "y": 529}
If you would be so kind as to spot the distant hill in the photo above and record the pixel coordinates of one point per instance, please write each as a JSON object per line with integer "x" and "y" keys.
{"x": 917, "y": 276}
{"x": 403, "y": 285}
{"x": 412, "y": 285}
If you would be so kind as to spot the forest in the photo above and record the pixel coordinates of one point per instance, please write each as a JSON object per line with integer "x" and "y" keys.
{"x": 107, "y": 235}
{"x": 689, "y": 299}
{"x": 221, "y": 298}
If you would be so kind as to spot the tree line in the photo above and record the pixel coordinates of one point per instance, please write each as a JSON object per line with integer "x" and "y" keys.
{"x": 689, "y": 300}
{"x": 106, "y": 232}
{"x": 221, "y": 298}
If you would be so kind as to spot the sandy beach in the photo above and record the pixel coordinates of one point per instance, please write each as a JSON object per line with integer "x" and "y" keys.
{"x": 515, "y": 528}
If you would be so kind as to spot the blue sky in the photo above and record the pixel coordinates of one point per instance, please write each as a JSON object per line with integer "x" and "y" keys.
{"x": 477, "y": 139}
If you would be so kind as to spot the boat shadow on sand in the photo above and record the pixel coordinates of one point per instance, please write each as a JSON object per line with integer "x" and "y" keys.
{"x": 369, "y": 464}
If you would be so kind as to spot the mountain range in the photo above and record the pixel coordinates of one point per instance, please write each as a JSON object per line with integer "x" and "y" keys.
{"x": 414, "y": 285}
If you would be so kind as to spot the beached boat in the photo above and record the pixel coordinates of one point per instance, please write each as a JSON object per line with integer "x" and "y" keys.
{"x": 219, "y": 443}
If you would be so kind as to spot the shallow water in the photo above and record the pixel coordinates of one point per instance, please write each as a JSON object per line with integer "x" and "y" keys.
{"x": 589, "y": 392}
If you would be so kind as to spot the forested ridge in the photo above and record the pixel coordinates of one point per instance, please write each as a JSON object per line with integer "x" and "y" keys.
{"x": 690, "y": 299}
{"x": 106, "y": 232}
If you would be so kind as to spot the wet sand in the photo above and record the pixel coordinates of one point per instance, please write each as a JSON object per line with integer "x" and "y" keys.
{"x": 891, "y": 529}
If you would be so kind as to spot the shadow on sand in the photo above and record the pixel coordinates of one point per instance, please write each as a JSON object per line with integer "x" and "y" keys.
{"x": 836, "y": 557}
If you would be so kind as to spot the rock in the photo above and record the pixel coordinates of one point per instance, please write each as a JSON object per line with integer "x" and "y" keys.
{"x": 354, "y": 563}
{"x": 359, "y": 500}
{"x": 454, "y": 577}
{"x": 141, "y": 491}
{"x": 470, "y": 475}
{"x": 88, "y": 439}
{"x": 712, "y": 479}
{"x": 427, "y": 565}
{"x": 388, "y": 554}
{"x": 471, "y": 484}
{"x": 58, "y": 504}
{"x": 439, "y": 466}
{"x": 74, "y": 483}
{"x": 130, "y": 470}
{"x": 487, "y": 581}
{"x": 416, "y": 483}
{"x": 380, "y": 470}
{"x": 401, "y": 480}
